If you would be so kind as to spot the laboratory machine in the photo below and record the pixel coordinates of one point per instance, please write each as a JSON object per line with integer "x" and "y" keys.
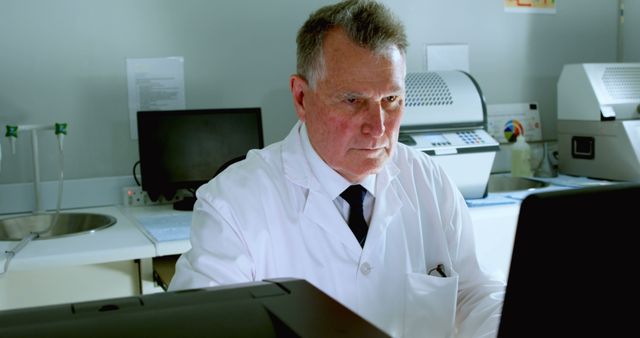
{"x": 599, "y": 120}
{"x": 446, "y": 117}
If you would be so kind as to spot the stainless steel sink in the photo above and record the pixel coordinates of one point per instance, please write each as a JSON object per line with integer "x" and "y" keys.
{"x": 66, "y": 224}
{"x": 506, "y": 182}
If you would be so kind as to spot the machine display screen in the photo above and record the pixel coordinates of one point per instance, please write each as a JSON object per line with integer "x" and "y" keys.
{"x": 432, "y": 139}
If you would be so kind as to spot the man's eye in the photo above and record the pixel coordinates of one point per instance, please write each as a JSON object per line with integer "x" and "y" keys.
{"x": 392, "y": 98}
{"x": 352, "y": 100}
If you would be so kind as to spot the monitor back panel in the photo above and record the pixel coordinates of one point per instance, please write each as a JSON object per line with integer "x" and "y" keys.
{"x": 572, "y": 267}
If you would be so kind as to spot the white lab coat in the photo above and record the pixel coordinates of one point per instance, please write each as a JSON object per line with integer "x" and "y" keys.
{"x": 268, "y": 216}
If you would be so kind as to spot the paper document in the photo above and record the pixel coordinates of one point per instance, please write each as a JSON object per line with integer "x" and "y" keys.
{"x": 154, "y": 84}
{"x": 447, "y": 57}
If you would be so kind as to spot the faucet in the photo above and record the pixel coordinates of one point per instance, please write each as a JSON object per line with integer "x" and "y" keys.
{"x": 60, "y": 129}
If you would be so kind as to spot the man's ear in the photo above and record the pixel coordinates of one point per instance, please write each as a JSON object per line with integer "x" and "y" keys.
{"x": 299, "y": 87}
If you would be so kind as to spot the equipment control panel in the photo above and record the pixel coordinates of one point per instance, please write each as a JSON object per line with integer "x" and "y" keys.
{"x": 450, "y": 141}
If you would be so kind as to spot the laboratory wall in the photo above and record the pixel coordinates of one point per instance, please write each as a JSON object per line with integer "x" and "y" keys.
{"x": 65, "y": 61}
{"x": 631, "y": 31}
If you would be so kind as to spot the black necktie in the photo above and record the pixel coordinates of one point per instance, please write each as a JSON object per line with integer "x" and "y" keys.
{"x": 354, "y": 195}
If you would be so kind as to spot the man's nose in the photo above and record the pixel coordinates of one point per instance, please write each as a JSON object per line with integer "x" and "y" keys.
{"x": 374, "y": 120}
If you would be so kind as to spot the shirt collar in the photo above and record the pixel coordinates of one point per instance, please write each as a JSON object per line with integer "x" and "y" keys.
{"x": 331, "y": 180}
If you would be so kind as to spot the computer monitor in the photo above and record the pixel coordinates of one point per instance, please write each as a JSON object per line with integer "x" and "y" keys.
{"x": 183, "y": 149}
{"x": 275, "y": 308}
{"x": 572, "y": 267}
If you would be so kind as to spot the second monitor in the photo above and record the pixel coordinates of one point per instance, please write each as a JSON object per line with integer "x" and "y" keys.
{"x": 183, "y": 149}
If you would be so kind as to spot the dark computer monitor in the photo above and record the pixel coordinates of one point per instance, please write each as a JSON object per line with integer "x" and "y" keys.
{"x": 573, "y": 265}
{"x": 183, "y": 149}
{"x": 283, "y": 308}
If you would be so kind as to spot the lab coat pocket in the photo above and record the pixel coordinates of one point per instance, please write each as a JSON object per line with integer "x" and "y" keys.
{"x": 430, "y": 304}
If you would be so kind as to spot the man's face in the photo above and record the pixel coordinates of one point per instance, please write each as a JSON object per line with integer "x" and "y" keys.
{"x": 353, "y": 114}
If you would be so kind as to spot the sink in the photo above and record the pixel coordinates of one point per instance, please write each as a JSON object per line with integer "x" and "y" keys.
{"x": 67, "y": 224}
{"x": 506, "y": 182}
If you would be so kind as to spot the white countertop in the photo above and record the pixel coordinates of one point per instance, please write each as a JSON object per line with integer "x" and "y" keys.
{"x": 121, "y": 241}
{"x": 494, "y": 220}
{"x": 494, "y": 229}
{"x": 129, "y": 239}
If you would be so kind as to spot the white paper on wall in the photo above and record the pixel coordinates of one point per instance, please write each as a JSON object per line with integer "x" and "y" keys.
{"x": 154, "y": 84}
{"x": 447, "y": 57}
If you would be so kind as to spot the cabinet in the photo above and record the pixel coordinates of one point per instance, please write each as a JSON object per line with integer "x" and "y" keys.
{"x": 47, "y": 286}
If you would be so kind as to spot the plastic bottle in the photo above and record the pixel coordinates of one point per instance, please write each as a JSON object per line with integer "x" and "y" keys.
{"x": 546, "y": 168}
{"x": 521, "y": 158}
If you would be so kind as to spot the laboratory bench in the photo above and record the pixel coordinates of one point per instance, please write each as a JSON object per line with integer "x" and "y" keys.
{"x": 100, "y": 264}
{"x": 137, "y": 254}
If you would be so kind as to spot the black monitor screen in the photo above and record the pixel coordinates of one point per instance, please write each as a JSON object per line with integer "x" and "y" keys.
{"x": 572, "y": 264}
{"x": 183, "y": 149}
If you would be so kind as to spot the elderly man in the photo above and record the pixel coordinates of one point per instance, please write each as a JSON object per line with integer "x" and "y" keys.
{"x": 339, "y": 202}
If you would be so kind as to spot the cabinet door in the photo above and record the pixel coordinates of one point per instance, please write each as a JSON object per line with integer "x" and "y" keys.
{"x": 49, "y": 286}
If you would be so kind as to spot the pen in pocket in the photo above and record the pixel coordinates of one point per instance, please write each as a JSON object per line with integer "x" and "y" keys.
{"x": 438, "y": 270}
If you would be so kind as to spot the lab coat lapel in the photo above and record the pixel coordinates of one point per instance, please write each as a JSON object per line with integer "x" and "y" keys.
{"x": 318, "y": 208}
{"x": 388, "y": 204}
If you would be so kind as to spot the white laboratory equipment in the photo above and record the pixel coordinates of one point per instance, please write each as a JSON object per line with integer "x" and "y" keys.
{"x": 599, "y": 120}
{"x": 445, "y": 117}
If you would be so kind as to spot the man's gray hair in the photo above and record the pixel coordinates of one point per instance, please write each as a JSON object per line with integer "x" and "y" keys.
{"x": 367, "y": 23}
